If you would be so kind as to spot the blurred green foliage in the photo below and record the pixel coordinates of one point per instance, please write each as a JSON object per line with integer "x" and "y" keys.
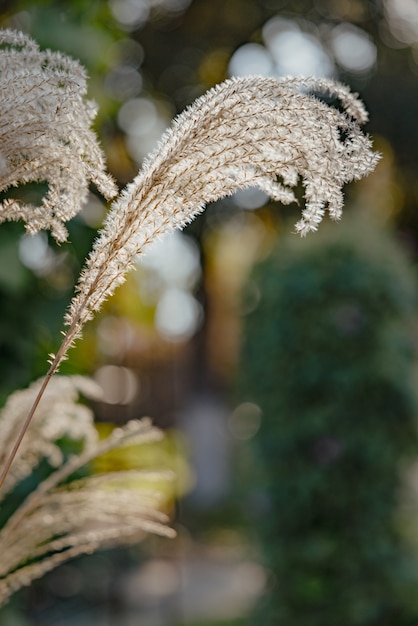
{"x": 33, "y": 304}
{"x": 328, "y": 356}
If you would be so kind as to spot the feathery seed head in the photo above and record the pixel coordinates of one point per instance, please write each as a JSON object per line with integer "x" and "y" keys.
{"x": 64, "y": 517}
{"x": 264, "y": 132}
{"x": 46, "y": 135}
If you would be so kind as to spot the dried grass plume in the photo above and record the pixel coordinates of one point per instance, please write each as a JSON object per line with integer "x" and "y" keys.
{"x": 264, "y": 132}
{"x": 46, "y": 135}
{"x": 65, "y": 516}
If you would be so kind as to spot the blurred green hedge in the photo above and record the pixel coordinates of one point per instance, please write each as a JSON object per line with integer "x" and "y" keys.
{"x": 328, "y": 356}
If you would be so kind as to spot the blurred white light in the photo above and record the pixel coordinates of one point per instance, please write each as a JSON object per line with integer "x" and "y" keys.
{"x": 178, "y": 315}
{"x": 251, "y": 198}
{"x": 130, "y": 52}
{"x": 277, "y": 26}
{"x": 123, "y": 82}
{"x": 299, "y": 54}
{"x": 35, "y": 253}
{"x": 134, "y": 13}
{"x": 353, "y": 48}
{"x": 402, "y": 17}
{"x": 137, "y": 116}
{"x": 145, "y": 133}
{"x": 244, "y": 422}
{"x": 249, "y": 59}
{"x": 130, "y": 13}
{"x": 176, "y": 260}
{"x": 119, "y": 384}
{"x": 116, "y": 335}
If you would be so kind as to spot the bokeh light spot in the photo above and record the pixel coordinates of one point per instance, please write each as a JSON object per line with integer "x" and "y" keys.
{"x": 137, "y": 116}
{"x": 178, "y": 315}
{"x": 353, "y": 48}
{"x": 176, "y": 260}
{"x": 250, "y": 198}
{"x": 402, "y": 17}
{"x": 249, "y": 59}
{"x": 244, "y": 422}
{"x": 123, "y": 82}
{"x": 35, "y": 253}
{"x": 294, "y": 51}
{"x": 119, "y": 384}
{"x": 130, "y": 13}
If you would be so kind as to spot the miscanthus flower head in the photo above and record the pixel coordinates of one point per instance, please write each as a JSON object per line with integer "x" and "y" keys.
{"x": 46, "y": 135}
{"x": 65, "y": 516}
{"x": 264, "y": 132}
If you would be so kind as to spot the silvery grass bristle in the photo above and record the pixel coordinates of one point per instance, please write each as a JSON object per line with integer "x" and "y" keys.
{"x": 265, "y": 132}
{"x": 65, "y": 517}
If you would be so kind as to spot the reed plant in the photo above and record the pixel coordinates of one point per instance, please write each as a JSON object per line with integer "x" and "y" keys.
{"x": 272, "y": 133}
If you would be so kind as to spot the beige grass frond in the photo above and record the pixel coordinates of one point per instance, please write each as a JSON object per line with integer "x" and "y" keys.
{"x": 264, "y": 132}
{"x": 46, "y": 135}
{"x": 67, "y": 516}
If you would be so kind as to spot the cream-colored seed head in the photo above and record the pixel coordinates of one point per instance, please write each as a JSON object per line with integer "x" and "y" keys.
{"x": 264, "y": 132}
{"x": 46, "y": 135}
{"x": 65, "y": 517}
